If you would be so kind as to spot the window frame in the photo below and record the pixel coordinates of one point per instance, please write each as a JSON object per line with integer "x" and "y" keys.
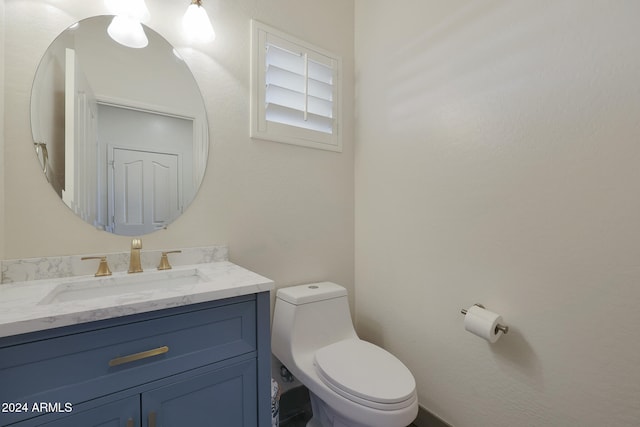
{"x": 260, "y": 127}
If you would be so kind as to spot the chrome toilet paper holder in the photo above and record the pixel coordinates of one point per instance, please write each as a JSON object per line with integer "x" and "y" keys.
{"x": 499, "y": 327}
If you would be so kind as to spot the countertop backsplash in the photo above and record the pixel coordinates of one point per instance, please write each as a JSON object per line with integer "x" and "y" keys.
{"x": 21, "y": 270}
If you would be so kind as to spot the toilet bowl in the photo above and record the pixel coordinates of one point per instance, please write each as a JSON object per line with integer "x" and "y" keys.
{"x": 352, "y": 383}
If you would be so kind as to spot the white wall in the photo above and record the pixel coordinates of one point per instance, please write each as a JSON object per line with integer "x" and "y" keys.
{"x": 497, "y": 162}
{"x": 2, "y": 168}
{"x": 285, "y": 211}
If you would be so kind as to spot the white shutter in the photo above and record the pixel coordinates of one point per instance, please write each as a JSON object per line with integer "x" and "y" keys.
{"x": 295, "y": 91}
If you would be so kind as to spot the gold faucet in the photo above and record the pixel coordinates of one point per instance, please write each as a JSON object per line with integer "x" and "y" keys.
{"x": 103, "y": 268}
{"x": 134, "y": 260}
{"x": 164, "y": 260}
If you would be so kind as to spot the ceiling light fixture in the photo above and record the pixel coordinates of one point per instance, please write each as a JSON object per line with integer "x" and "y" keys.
{"x": 126, "y": 26}
{"x": 196, "y": 23}
{"x": 128, "y": 32}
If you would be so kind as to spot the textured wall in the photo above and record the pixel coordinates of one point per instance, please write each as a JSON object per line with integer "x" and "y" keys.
{"x": 2, "y": 23}
{"x": 497, "y": 162}
{"x": 284, "y": 211}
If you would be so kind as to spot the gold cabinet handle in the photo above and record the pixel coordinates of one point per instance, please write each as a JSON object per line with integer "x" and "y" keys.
{"x": 130, "y": 423}
{"x": 152, "y": 419}
{"x": 138, "y": 356}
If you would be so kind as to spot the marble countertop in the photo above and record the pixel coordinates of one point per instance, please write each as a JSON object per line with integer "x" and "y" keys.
{"x": 32, "y": 306}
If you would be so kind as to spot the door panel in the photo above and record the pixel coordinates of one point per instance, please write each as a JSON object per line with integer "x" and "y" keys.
{"x": 225, "y": 397}
{"x": 81, "y": 139}
{"x": 132, "y": 195}
{"x": 164, "y": 183}
{"x": 146, "y": 191}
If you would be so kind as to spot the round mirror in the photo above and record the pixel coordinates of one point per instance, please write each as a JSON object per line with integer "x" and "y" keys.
{"x": 121, "y": 133}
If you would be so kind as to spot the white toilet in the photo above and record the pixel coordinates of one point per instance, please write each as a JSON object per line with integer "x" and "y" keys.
{"x": 352, "y": 383}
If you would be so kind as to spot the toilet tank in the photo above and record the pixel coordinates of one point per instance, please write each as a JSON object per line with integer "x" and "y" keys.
{"x": 309, "y": 317}
{"x": 313, "y": 292}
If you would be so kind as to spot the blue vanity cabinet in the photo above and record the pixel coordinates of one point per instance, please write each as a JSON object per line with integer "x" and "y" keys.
{"x": 201, "y": 364}
{"x": 217, "y": 397}
{"x": 121, "y": 413}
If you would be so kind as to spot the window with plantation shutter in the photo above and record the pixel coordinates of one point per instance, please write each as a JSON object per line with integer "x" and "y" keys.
{"x": 295, "y": 91}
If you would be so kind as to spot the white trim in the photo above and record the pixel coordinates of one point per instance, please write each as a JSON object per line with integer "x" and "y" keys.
{"x": 142, "y": 106}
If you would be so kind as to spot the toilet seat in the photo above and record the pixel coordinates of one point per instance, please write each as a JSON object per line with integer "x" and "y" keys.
{"x": 366, "y": 374}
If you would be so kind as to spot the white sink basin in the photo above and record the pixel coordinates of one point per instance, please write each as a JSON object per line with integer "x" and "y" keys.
{"x": 99, "y": 287}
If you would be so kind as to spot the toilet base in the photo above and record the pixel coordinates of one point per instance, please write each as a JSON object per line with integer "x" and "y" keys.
{"x": 324, "y": 416}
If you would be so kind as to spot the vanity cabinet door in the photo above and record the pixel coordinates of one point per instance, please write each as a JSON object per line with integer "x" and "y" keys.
{"x": 120, "y": 413}
{"x": 225, "y": 397}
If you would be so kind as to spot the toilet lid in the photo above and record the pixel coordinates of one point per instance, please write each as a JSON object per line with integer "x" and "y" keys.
{"x": 365, "y": 370}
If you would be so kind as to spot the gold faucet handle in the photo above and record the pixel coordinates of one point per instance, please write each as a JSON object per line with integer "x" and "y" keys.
{"x": 164, "y": 260}
{"x": 103, "y": 268}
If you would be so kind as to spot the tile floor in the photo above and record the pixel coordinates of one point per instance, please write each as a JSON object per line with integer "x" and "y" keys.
{"x": 295, "y": 409}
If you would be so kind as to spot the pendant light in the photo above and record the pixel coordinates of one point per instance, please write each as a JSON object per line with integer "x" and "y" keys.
{"x": 126, "y": 26}
{"x": 196, "y": 23}
{"x": 128, "y": 32}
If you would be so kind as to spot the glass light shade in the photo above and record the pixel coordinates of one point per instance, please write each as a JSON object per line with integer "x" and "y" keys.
{"x": 196, "y": 24}
{"x": 132, "y": 8}
{"x": 128, "y": 32}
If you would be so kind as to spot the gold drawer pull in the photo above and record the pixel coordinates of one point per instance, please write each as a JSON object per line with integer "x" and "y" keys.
{"x": 143, "y": 355}
{"x": 152, "y": 419}
{"x": 130, "y": 423}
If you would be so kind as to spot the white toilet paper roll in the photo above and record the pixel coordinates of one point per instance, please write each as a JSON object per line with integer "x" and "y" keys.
{"x": 482, "y": 322}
